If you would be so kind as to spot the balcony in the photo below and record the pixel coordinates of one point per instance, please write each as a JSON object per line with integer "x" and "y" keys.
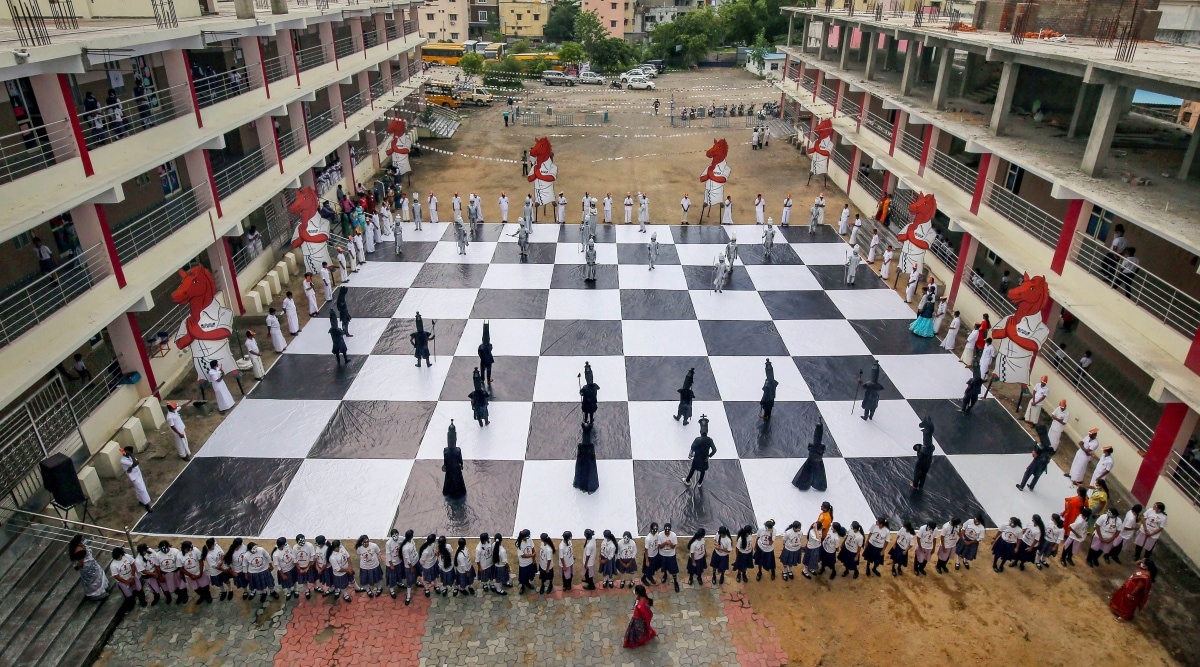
{"x": 910, "y": 146}
{"x": 290, "y": 142}
{"x": 276, "y": 232}
{"x": 236, "y": 175}
{"x": 220, "y": 87}
{"x": 313, "y": 56}
{"x": 872, "y": 188}
{"x": 28, "y": 304}
{"x": 321, "y": 123}
{"x": 849, "y": 107}
{"x": 345, "y": 47}
{"x": 35, "y": 149}
{"x": 278, "y": 68}
{"x": 828, "y": 95}
{"x": 839, "y": 159}
{"x": 392, "y": 32}
{"x": 962, "y": 176}
{"x": 124, "y": 118}
{"x": 144, "y": 230}
{"x": 352, "y": 104}
{"x": 809, "y": 84}
{"x": 879, "y": 125}
{"x": 1043, "y": 226}
{"x": 1186, "y": 476}
{"x": 378, "y": 88}
{"x": 370, "y": 37}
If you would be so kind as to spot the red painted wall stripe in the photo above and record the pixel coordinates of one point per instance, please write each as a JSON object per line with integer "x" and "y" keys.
{"x": 1160, "y": 448}
{"x": 69, "y": 102}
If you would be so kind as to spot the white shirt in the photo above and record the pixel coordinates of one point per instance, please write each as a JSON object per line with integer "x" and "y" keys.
{"x": 215, "y": 560}
{"x": 879, "y": 536}
{"x": 256, "y": 561}
{"x": 1152, "y": 521}
{"x": 462, "y": 562}
{"x": 766, "y": 539}
{"x": 283, "y": 558}
{"x": 546, "y": 557}
{"x": 949, "y": 536}
{"x": 926, "y": 537}
{"x": 123, "y": 568}
{"x": 722, "y": 546}
{"x": 368, "y": 556}
{"x": 626, "y": 549}
{"x": 237, "y": 561}
{"x": 666, "y": 543}
{"x": 651, "y": 543}
{"x": 391, "y": 551}
{"x": 747, "y": 548}
{"x": 145, "y": 565}
{"x": 409, "y": 553}
{"x": 1129, "y": 526}
{"x": 340, "y": 561}
{"x": 972, "y": 531}
{"x": 793, "y": 539}
{"x": 854, "y": 542}
{"x": 176, "y": 422}
{"x": 904, "y": 539}
{"x": 830, "y": 543}
{"x": 429, "y": 556}
{"x": 483, "y": 555}
{"x": 501, "y": 557}
{"x": 1054, "y": 534}
{"x": 589, "y": 553}
{"x": 685, "y": 203}
{"x": 697, "y": 550}
{"x": 1104, "y": 465}
{"x": 1079, "y": 529}
{"x": 304, "y": 554}
{"x": 525, "y": 553}
{"x": 169, "y": 561}
{"x": 566, "y": 553}
{"x": 608, "y": 550}
{"x": 1031, "y": 535}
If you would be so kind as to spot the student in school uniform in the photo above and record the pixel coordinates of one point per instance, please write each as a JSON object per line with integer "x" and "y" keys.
{"x": 851, "y": 551}
{"x": 1030, "y": 543}
{"x": 1004, "y": 544}
{"x": 877, "y": 541}
{"x": 525, "y": 558}
{"x": 608, "y": 558}
{"x": 697, "y": 558}
{"x": 410, "y": 560}
{"x": 124, "y": 572}
{"x": 304, "y": 555}
{"x": 257, "y": 564}
{"x": 829, "y": 547}
{"x": 168, "y": 559}
{"x": 393, "y": 567}
{"x": 484, "y": 563}
{"x": 195, "y": 572}
{"x": 370, "y": 568}
{"x": 212, "y": 563}
{"x": 900, "y": 547}
{"x": 667, "y": 541}
{"x": 722, "y": 547}
{"x": 235, "y": 563}
{"x": 1108, "y": 526}
{"x": 745, "y": 552}
{"x": 321, "y": 565}
{"x": 793, "y": 546}
{"x": 764, "y": 556}
{"x": 463, "y": 571}
{"x": 147, "y": 572}
{"x": 810, "y": 555}
{"x": 926, "y": 538}
{"x": 1126, "y": 533}
{"x": 626, "y": 558}
{"x": 968, "y": 544}
{"x": 428, "y": 562}
{"x": 650, "y": 558}
{"x": 590, "y": 563}
{"x": 545, "y": 562}
{"x": 1051, "y": 540}
{"x": 948, "y": 538}
{"x": 445, "y": 566}
{"x": 566, "y": 560}
{"x": 341, "y": 571}
{"x": 284, "y": 561}
{"x": 1154, "y": 522}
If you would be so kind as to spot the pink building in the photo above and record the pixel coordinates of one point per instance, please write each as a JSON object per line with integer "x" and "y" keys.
{"x": 612, "y": 15}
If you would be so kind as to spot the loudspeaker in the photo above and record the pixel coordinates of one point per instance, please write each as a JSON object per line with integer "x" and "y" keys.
{"x": 59, "y": 478}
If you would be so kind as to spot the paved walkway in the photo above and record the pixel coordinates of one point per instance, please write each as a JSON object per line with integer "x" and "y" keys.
{"x": 700, "y": 626}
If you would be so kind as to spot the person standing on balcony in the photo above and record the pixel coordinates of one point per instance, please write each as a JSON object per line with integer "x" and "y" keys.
{"x": 95, "y": 120}
{"x": 45, "y": 257}
{"x": 116, "y": 115}
{"x": 1116, "y": 248}
{"x": 178, "y": 430}
{"x": 1129, "y": 268}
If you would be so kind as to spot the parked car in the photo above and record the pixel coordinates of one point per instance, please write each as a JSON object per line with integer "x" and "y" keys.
{"x": 592, "y": 77}
{"x": 553, "y": 77}
{"x": 639, "y": 83}
{"x": 636, "y": 71}
{"x": 650, "y": 70}
{"x": 477, "y": 95}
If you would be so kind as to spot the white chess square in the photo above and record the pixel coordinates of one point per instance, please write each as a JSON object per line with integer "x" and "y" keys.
{"x": 558, "y": 378}
{"x": 518, "y": 276}
{"x": 817, "y": 254}
{"x": 544, "y": 503}
{"x": 572, "y": 253}
{"x": 478, "y": 252}
{"x": 664, "y": 276}
{"x": 992, "y": 479}
{"x": 919, "y": 376}
{"x": 341, "y": 497}
{"x": 510, "y": 338}
{"x": 742, "y": 378}
{"x": 397, "y": 378}
{"x": 769, "y": 482}
{"x": 655, "y": 436}
{"x": 663, "y": 338}
{"x": 269, "y": 428}
{"x": 386, "y": 274}
{"x": 821, "y": 338}
{"x": 782, "y": 277}
{"x": 503, "y": 440}
{"x": 315, "y": 339}
{"x": 701, "y": 254}
{"x": 584, "y": 304}
{"x": 631, "y": 234}
{"x": 429, "y": 231}
{"x": 729, "y": 305}
{"x": 871, "y": 304}
{"x": 437, "y": 303}
{"x": 893, "y": 431}
{"x": 538, "y": 233}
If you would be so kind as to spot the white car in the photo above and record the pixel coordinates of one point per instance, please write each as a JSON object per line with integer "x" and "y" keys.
{"x": 592, "y": 77}
{"x": 639, "y": 83}
{"x": 632, "y": 73}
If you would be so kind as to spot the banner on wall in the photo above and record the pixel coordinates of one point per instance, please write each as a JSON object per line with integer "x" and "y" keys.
{"x": 1020, "y": 336}
{"x": 206, "y": 330}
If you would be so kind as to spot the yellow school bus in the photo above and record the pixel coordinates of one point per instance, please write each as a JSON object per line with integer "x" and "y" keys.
{"x": 442, "y": 54}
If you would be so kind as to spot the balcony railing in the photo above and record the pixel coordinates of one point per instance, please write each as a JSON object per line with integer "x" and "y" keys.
{"x": 219, "y": 87}
{"x": 849, "y": 107}
{"x": 408, "y": 28}
{"x": 397, "y": 76}
{"x": 911, "y": 146}
{"x": 391, "y": 31}
{"x": 345, "y": 46}
{"x": 828, "y": 94}
{"x": 870, "y": 186}
{"x": 236, "y": 175}
{"x": 278, "y": 68}
{"x": 1127, "y": 423}
{"x": 352, "y": 104}
{"x": 321, "y": 123}
{"x": 1185, "y": 475}
{"x": 962, "y": 176}
{"x": 840, "y": 160}
{"x": 41, "y": 297}
{"x": 23, "y": 153}
{"x": 359, "y": 153}
{"x": 313, "y": 56}
{"x": 92, "y": 394}
{"x": 1156, "y": 296}
{"x": 370, "y": 36}
{"x": 141, "y": 232}
{"x": 1043, "y": 226}
{"x": 290, "y": 142}
{"x": 808, "y": 83}
{"x": 378, "y": 88}
{"x": 996, "y": 302}
{"x": 275, "y": 234}
{"x": 113, "y": 122}
{"x": 878, "y": 125}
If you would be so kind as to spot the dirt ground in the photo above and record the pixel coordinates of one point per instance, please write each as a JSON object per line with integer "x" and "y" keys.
{"x": 1054, "y": 617}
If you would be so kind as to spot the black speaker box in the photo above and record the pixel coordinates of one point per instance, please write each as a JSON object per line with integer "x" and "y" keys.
{"x": 59, "y": 478}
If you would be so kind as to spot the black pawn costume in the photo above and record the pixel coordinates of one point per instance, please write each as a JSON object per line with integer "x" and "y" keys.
{"x": 587, "y": 479}
{"x": 344, "y": 311}
{"x": 452, "y": 464}
{"x": 479, "y": 400}
{"x": 767, "y": 402}
{"x": 1042, "y": 455}
{"x": 924, "y": 454}
{"x": 589, "y": 393}
{"x": 703, "y": 449}
{"x": 871, "y": 391}
{"x": 685, "y": 397}
{"x": 420, "y": 342}
{"x": 485, "y": 353}
{"x": 971, "y": 394}
{"x": 339, "y": 340}
{"x": 812, "y": 473}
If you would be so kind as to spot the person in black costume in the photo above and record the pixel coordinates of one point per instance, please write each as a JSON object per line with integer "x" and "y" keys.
{"x": 485, "y": 353}
{"x": 344, "y": 311}
{"x": 812, "y": 473}
{"x": 767, "y": 402}
{"x": 420, "y": 342}
{"x": 589, "y": 393}
{"x": 587, "y": 479}
{"x": 339, "y": 340}
{"x": 685, "y": 397}
{"x": 871, "y": 391}
{"x": 971, "y": 395}
{"x": 452, "y": 464}
{"x": 479, "y": 400}
{"x": 703, "y": 449}
{"x": 924, "y": 454}
{"x": 1041, "y": 459}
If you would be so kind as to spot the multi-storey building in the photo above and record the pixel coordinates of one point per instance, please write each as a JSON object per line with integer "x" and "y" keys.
{"x": 130, "y": 153}
{"x": 482, "y": 14}
{"x": 616, "y": 16}
{"x": 446, "y": 20}
{"x": 653, "y": 12}
{"x": 1037, "y": 168}
{"x": 524, "y": 19}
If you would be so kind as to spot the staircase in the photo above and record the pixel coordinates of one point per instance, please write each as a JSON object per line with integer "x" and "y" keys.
{"x": 984, "y": 94}
{"x": 444, "y": 124}
{"x": 44, "y": 619}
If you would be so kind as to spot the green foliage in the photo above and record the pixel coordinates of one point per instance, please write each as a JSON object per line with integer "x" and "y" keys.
{"x": 521, "y": 46}
{"x": 560, "y": 24}
{"x": 537, "y": 65}
{"x": 589, "y": 30}
{"x": 471, "y": 63}
{"x": 613, "y": 56}
{"x": 493, "y": 31}
{"x": 759, "y": 51}
{"x": 688, "y": 38}
{"x": 571, "y": 52}
{"x": 745, "y": 19}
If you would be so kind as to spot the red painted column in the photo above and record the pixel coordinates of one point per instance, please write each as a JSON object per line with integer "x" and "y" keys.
{"x": 145, "y": 357}
{"x": 1166, "y": 435}
{"x": 212, "y": 182}
{"x": 964, "y": 252}
{"x": 853, "y": 168}
{"x": 110, "y": 245}
{"x": 896, "y": 130}
{"x": 187, "y": 68}
{"x": 235, "y": 288}
{"x": 1070, "y": 222}
{"x": 980, "y": 181}
{"x": 76, "y": 128}
{"x": 262, "y": 64}
{"x": 1193, "y": 356}
{"x": 925, "y": 146}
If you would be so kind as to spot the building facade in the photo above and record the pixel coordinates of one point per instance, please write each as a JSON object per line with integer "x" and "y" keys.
{"x": 523, "y": 19}
{"x": 484, "y": 16}
{"x": 1028, "y": 153}
{"x": 446, "y": 20}
{"x": 614, "y": 16}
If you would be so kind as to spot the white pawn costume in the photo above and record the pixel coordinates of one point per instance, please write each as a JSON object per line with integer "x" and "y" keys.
{"x": 844, "y": 221}
{"x": 852, "y": 261}
{"x": 277, "y": 340}
{"x": 760, "y": 210}
{"x": 1079, "y": 464}
{"x": 952, "y": 334}
{"x": 628, "y": 209}
{"x": 527, "y": 213}
{"x": 685, "y": 205}
{"x": 460, "y": 235}
{"x": 786, "y": 218}
{"x": 817, "y": 214}
{"x": 503, "y": 202}
{"x": 854, "y": 229}
{"x": 254, "y": 356}
{"x": 398, "y": 236}
{"x": 405, "y": 209}
{"x": 1038, "y": 392}
{"x": 874, "y": 248}
{"x": 560, "y": 210}
{"x": 608, "y": 208}
{"x": 1058, "y": 424}
{"x": 885, "y": 271}
{"x": 652, "y": 250}
{"x": 769, "y": 238}
{"x": 178, "y": 430}
{"x": 589, "y": 257}
{"x": 289, "y": 312}
{"x": 522, "y": 235}
{"x": 720, "y": 274}
{"x": 643, "y": 212}
{"x": 416, "y": 209}
{"x": 133, "y": 471}
{"x": 727, "y": 212}
{"x": 731, "y": 249}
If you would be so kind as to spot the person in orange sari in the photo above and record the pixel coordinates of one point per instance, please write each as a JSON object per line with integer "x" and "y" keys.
{"x": 884, "y": 211}
{"x": 639, "y": 632}
{"x": 1132, "y": 595}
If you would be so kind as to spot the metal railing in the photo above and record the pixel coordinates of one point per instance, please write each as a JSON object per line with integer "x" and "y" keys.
{"x": 995, "y": 302}
{"x": 352, "y": 104}
{"x": 28, "y": 151}
{"x": 911, "y": 146}
{"x": 321, "y": 123}
{"x": 873, "y": 189}
{"x": 944, "y": 252}
{"x": 112, "y": 122}
{"x": 278, "y": 68}
{"x": 141, "y": 232}
{"x": 1185, "y": 475}
{"x": 378, "y": 88}
{"x": 93, "y": 393}
{"x": 101, "y": 540}
{"x": 392, "y": 31}
{"x": 962, "y": 176}
{"x": 1043, "y": 226}
{"x": 1167, "y": 303}
{"x": 345, "y": 47}
{"x": 370, "y": 37}
{"x": 359, "y": 154}
{"x": 236, "y": 175}
{"x": 313, "y": 56}
{"x": 409, "y": 28}
{"x": 222, "y": 86}
{"x": 167, "y": 324}
{"x": 275, "y": 234}
{"x": 809, "y": 83}
{"x": 1128, "y": 424}
{"x": 828, "y": 94}
{"x": 290, "y": 142}
{"x": 878, "y": 125}
{"x": 32, "y": 430}
{"x": 840, "y": 160}
{"x": 398, "y": 77}
{"x": 48, "y": 293}
{"x": 849, "y": 107}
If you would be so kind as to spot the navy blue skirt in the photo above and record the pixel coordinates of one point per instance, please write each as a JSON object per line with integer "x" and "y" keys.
{"x": 873, "y": 555}
{"x": 261, "y": 581}
{"x": 241, "y": 580}
{"x": 286, "y": 579}
{"x": 325, "y": 577}
{"x": 669, "y": 564}
{"x": 395, "y": 575}
{"x": 765, "y": 559}
{"x": 743, "y": 561}
{"x": 466, "y": 578}
{"x": 370, "y": 577}
{"x": 812, "y": 558}
{"x": 790, "y": 558}
{"x": 848, "y": 558}
{"x": 967, "y": 551}
{"x": 899, "y": 556}
{"x": 608, "y": 568}
{"x": 339, "y": 581}
{"x": 720, "y": 563}
{"x": 653, "y": 563}
{"x": 697, "y": 566}
{"x": 1003, "y": 550}
{"x": 220, "y": 579}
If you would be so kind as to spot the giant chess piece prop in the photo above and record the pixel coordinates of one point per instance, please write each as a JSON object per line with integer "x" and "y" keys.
{"x": 587, "y": 478}
{"x": 452, "y": 464}
{"x": 871, "y": 391}
{"x": 812, "y": 473}
{"x": 485, "y": 355}
{"x": 767, "y": 402}
{"x": 703, "y": 448}
{"x": 589, "y": 394}
{"x": 924, "y": 452}
{"x": 479, "y": 400}
{"x": 420, "y": 341}
{"x": 684, "y": 411}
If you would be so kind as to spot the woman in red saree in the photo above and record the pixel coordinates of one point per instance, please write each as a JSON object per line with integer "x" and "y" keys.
{"x": 1131, "y": 596}
{"x": 639, "y": 632}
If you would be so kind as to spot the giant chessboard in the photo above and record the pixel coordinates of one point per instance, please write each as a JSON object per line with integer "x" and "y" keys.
{"x": 343, "y": 450}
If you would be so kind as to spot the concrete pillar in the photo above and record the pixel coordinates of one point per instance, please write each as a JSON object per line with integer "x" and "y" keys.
{"x": 343, "y": 152}
{"x": 279, "y": 7}
{"x": 1004, "y": 98}
{"x": 264, "y": 127}
{"x": 287, "y": 52}
{"x": 1113, "y": 101}
{"x": 325, "y": 30}
{"x": 91, "y": 232}
{"x": 252, "y": 55}
{"x": 893, "y": 52}
{"x": 970, "y": 70}
{"x": 54, "y": 106}
{"x": 864, "y": 41}
{"x": 356, "y": 34}
{"x": 1077, "y": 114}
{"x": 335, "y": 102}
{"x": 872, "y": 57}
{"x": 385, "y": 71}
{"x": 221, "y": 261}
{"x": 966, "y": 259}
{"x": 1189, "y": 156}
{"x": 373, "y": 147}
{"x": 130, "y": 348}
{"x": 942, "y": 87}
{"x": 824, "y": 45}
{"x": 844, "y": 46}
{"x": 1172, "y": 432}
{"x": 178, "y": 74}
{"x": 244, "y": 9}
{"x": 925, "y": 62}
{"x": 307, "y": 180}
{"x": 363, "y": 83}
{"x": 910, "y": 67}
{"x": 791, "y": 24}
{"x": 199, "y": 171}
{"x": 296, "y": 122}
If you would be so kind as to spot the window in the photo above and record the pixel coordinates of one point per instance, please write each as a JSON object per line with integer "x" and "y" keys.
{"x": 454, "y": 17}
{"x": 537, "y": 17}
{"x": 432, "y": 35}
{"x": 626, "y": 21}
{"x": 614, "y": 5}
{"x": 1187, "y": 117}
{"x": 1012, "y": 180}
{"x": 774, "y": 66}
{"x": 1099, "y": 223}
{"x": 169, "y": 178}
{"x": 483, "y": 16}
{"x": 429, "y": 17}
{"x": 612, "y": 24}
{"x": 454, "y": 35}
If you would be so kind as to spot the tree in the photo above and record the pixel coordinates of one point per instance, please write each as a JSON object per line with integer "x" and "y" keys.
{"x": 560, "y": 24}
{"x": 471, "y": 63}
{"x": 493, "y": 31}
{"x": 521, "y": 46}
{"x": 688, "y": 38}
{"x": 570, "y": 52}
{"x": 759, "y": 51}
{"x": 611, "y": 55}
{"x": 589, "y": 30}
